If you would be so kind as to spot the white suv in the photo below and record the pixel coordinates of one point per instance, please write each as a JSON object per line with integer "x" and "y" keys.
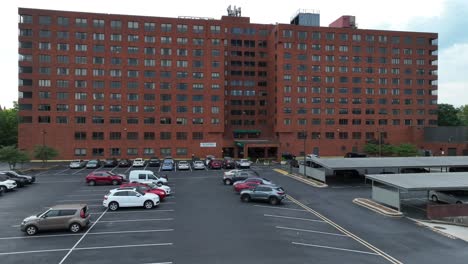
{"x": 6, "y": 184}
{"x": 126, "y": 197}
{"x": 138, "y": 162}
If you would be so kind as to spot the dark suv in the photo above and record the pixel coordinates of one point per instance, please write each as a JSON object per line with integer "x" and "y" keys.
{"x": 154, "y": 162}
{"x": 229, "y": 179}
{"x": 269, "y": 193}
{"x": 229, "y": 163}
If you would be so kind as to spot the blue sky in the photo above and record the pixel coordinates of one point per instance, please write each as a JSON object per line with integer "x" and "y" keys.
{"x": 449, "y": 18}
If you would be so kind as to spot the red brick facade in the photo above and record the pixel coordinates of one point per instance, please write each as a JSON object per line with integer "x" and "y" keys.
{"x": 102, "y": 85}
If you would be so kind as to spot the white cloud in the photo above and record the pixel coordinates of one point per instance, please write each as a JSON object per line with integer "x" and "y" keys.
{"x": 453, "y": 80}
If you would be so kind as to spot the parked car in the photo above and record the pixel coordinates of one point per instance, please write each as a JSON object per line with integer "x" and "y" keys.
{"x": 183, "y": 165}
{"x": 104, "y": 177}
{"x": 111, "y": 163}
{"x": 126, "y": 197}
{"x": 146, "y": 176}
{"x": 125, "y": 163}
{"x": 93, "y": 164}
{"x": 73, "y": 217}
{"x": 229, "y": 179}
{"x": 232, "y": 172}
{"x": 414, "y": 170}
{"x": 243, "y": 164}
{"x": 269, "y": 193}
{"x": 355, "y": 155}
{"x": 146, "y": 188}
{"x": 250, "y": 183}
{"x": 229, "y": 163}
{"x": 198, "y": 165}
{"x": 167, "y": 166}
{"x": 451, "y": 197}
{"x": 20, "y": 182}
{"x": 215, "y": 164}
{"x": 29, "y": 179}
{"x": 77, "y": 164}
{"x": 154, "y": 162}
{"x": 6, "y": 184}
{"x": 138, "y": 162}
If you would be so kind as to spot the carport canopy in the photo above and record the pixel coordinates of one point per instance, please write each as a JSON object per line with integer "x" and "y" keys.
{"x": 423, "y": 181}
{"x": 390, "y": 162}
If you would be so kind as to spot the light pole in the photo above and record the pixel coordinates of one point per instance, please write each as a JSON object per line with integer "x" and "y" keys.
{"x": 305, "y": 155}
{"x": 380, "y": 143}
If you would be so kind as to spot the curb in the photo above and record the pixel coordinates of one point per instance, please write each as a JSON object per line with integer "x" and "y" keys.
{"x": 378, "y": 208}
{"x": 303, "y": 179}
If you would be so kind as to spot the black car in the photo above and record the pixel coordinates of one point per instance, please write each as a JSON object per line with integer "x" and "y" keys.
{"x": 355, "y": 155}
{"x": 29, "y": 179}
{"x": 154, "y": 162}
{"x": 110, "y": 163}
{"x": 20, "y": 182}
{"x": 229, "y": 163}
{"x": 125, "y": 163}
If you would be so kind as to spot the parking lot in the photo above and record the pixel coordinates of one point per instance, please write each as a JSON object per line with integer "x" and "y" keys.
{"x": 204, "y": 221}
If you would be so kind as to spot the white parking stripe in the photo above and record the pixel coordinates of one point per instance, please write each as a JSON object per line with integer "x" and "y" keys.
{"x": 281, "y": 208}
{"x": 92, "y": 233}
{"x": 294, "y": 218}
{"x": 311, "y": 231}
{"x": 342, "y": 249}
{"x": 137, "y": 220}
{"x": 84, "y": 235}
{"x": 140, "y": 211}
{"x": 125, "y": 246}
{"x": 84, "y": 248}
{"x": 61, "y": 171}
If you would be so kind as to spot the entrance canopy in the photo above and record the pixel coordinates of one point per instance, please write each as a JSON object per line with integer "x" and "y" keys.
{"x": 423, "y": 181}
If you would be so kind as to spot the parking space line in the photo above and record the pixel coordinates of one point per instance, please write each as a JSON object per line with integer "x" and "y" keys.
{"x": 280, "y": 208}
{"x": 345, "y": 231}
{"x": 80, "y": 170}
{"x": 335, "y": 248}
{"x": 81, "y": 200}
{"x": 135, "y": 211}
{"x": 311, "y": 231}
{"x": 125, "y": 246}
{"x": 33, "y": 251}
{"x": 136, "y": 220}
{"x": 294, "y": 218}
{"x": 92, "y": 233}
{"x": 84, "y": 235}
{"x": 61, "y": 171}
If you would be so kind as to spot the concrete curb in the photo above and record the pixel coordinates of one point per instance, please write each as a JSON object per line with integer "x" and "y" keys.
{"x": 376, "y": 207}
{"x": 303, "y": 179}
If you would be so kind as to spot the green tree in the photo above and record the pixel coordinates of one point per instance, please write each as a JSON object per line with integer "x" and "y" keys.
{"x": 371, "y": 149}
{"x": 388, "y": 150}
{"x": 44, "y": 153}
{"x": 447, "y": 115}
{"x": 13, "y": 156}
{"x": 463, "y": 115}
{"x": 406, "y": 150}
{"x": 9, "y": 127}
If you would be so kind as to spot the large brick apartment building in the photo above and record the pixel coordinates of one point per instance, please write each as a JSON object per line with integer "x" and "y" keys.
{"x": 102, "y": 85}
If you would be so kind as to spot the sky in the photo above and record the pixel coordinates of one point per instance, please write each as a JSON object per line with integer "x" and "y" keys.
{"x": 449, "y": 18}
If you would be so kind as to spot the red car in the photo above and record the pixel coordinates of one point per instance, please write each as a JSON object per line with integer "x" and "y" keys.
{"x": 215, "y": 164}
{"x": 147, "y": 188}
{"x": 104, "y": 177}
{"x": 249, "y": 183}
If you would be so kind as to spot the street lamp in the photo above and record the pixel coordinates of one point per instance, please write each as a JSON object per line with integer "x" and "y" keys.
{"x": 380, "y": 142}
{"x": 305, "y": 155}
{"x": 43, "y": 150}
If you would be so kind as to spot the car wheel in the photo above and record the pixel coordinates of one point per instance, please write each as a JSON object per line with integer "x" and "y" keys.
{"x": 458, "y": 202}
{"x": 75, "y": 228}
{"x": 434, "y": 198}
{"x": 273, "y": 200}
{"x": 31, "y": 230}
{"x": 227, "y": 182}
{"x": 113, "y": 206}
{"x": 114, "y": 182}
{"x": 91, "y": 183}
{"x": 245, "y": 198}
{"x": 148, "y": 204}
{"x": 2, "y": 189}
